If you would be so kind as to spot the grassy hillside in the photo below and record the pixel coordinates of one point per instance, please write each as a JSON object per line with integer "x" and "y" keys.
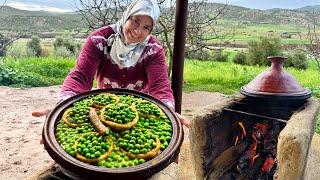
{"x": 300, "y": 16}
{"x": 41, "y": 21}
{"x": 310, "y": 8}
{"x": 38, "y": 21}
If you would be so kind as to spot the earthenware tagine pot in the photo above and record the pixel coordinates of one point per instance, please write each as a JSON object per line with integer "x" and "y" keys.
{"x": 76, "y": 169}
{"x": 275, "y": 83}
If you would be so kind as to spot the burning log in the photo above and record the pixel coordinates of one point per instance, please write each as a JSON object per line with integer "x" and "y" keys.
{"x": 225, "y": 161}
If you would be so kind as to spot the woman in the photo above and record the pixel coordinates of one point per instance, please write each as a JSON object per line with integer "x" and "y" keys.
{"x": 123, "y": 55}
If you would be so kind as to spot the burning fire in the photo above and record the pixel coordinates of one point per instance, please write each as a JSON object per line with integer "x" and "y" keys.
{"x": 258, "y": 138}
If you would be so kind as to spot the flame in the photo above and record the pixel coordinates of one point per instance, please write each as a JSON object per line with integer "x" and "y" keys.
{"x": 253, "y": 159}
{"x": 255, "y": 144}
{"x": 236, "y": 141}
{"x": 239, "y": 168}
{"x": 244, "y": 134}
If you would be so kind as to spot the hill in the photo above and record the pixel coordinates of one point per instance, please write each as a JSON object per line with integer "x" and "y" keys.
{"x": 302, "y": 16}
{"x": 38, "y": 21}
{"x": 310, "y": 8}
{"x": 42, "y": 21}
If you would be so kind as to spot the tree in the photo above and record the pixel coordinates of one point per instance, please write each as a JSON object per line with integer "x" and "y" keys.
{"x": 6, "y": 39}
{"x": 201, "y": 24}
{"x": 34, "y": 47}
{"x": 4, "y": 43}
{"x": 259, "y": 50}
{"x": 3, "y": 3}
{"x": 99, "y": 13}
{"x": 313, "y": 37}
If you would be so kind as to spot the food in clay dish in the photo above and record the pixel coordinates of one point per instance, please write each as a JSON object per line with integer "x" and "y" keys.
{"x": 113, "y": 131}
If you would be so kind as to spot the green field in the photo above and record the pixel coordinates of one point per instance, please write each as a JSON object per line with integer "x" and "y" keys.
{"x": 223, "y": 77}
{"x": 242, "y": 33}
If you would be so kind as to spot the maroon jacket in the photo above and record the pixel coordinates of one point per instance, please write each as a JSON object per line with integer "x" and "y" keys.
{"x": 149, "y": 75}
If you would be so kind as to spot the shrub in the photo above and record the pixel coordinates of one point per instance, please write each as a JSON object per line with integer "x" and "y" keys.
{"x": 258, "y": 51}
{"x": 63, "y": 52}
{"x": 316, "y": 93}
{"x": 68, "y": 43}
{"x": 240, "y": 58}
{"x": 10, "y": 76}
{"x": 77, "y": 52}
{"x": 199, "y": 54}
{"x": 46, "y": 51}
{"x": 220, "y": 56}
{"x": 34, "y": 47}
{"x": 15, "y": 53}
{"x": 30, "y": 52}
{"x": 297, "y": 59}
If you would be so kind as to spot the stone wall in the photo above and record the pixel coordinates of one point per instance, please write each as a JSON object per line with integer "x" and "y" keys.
{"x": 198, "y": 137}
{"x": 293, "y": 142}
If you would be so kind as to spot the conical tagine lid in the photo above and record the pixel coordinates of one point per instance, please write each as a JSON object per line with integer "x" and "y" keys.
{"x": 275, "y": 82}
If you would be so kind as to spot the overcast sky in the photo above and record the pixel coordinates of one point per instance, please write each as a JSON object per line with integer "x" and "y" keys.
{"x": 46, "y": 5}
{"x": 68, "y": 5}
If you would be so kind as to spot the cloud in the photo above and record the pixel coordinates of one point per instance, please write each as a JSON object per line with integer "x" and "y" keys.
{"x": 36, "y": 7}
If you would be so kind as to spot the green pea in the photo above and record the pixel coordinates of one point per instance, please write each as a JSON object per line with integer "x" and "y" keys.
{"x": 140, "y": 141}
{"x": 136, "y": 151}
{"x": 108, "y": 165}
{"x": 124, "y": 164}
{"x": 136, "y": 162}
{"x": 101, "y": 163}
{"x": 92, "y": 150}
{"x": 124, "y": 145}
{"x": 141, "y": 161}
{"x": 103, "y": 145}
{"x": 137, "y": 146}
{"x": 85, "y": 150}
{"x": 116, "y": 165}
{"x": 130, "y": 163}
{"x": 144, "y": 150}
{"x": 97, "y": 154}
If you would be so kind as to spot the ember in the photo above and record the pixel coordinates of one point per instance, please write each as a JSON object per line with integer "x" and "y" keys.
{"x": 260, "y": 157}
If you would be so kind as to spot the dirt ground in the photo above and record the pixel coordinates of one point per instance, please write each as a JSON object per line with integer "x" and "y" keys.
{"x": 21, "y": 154}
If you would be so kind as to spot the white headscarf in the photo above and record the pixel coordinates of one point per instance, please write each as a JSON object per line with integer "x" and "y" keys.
{"x": 127, "y": 55}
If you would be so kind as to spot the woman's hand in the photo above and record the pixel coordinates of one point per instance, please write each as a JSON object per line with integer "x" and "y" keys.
{"x": 40, "y": 113}
{"x": 184, "y": 120}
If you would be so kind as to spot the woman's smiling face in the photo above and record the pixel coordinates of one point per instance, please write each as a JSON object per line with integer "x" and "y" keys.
{"x": 137, "y": 28}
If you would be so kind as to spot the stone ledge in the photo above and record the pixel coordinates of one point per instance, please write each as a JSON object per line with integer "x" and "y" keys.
{"x": 312, "y": 171}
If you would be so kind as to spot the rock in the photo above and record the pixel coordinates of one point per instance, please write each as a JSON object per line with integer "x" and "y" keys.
{"x": 17, "y": 162}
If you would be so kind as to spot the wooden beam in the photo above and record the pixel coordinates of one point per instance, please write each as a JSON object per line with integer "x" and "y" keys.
{"x": 178, "y": 51}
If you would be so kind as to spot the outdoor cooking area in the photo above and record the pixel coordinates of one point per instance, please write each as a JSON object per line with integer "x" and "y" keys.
{"x": 265, "y": 133}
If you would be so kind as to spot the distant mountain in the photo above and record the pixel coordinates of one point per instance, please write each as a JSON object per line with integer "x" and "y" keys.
{"x": 10, "y": 11}
{"x": 38, "y": 21}
{"x": 42, "y": 21}
{"x": 270, "y": 16}
{"x": 310, "y": 8}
